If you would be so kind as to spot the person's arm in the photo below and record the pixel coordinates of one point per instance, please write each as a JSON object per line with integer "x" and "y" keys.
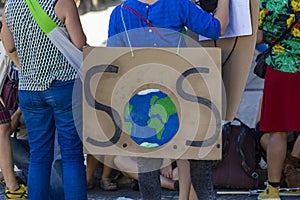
{"x": 67, "y": 12}
{"x": 15, "y": 119}
{"x": 222, "y": 14}
{"x": 14, "y": 57}
{"x": 8, "y": 42}
{"x": 203, "y": 23}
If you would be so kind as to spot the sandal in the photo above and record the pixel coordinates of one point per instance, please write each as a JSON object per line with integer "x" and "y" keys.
{"x": 91, "y": 184}
{"x": 20, "y": 193}
{"x": 107, "y": 184}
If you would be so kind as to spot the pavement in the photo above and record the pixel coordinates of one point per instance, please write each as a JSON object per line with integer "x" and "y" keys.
{"x": 129, "y": 194}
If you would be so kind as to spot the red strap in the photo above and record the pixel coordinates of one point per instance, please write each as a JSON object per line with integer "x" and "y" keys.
{"x": 147, "y": 22}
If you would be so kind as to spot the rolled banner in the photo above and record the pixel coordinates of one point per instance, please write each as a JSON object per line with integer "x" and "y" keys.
{"x": 58, "y": 36}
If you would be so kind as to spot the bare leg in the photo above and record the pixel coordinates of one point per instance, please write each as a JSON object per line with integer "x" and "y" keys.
{"x": 193, "y": 194}
{"x": 296, "y": 148}
{"x": 276, "y": 153}
{"x": 184, "y": 179}
{"x": 6, "y": 162}
{"x": 91, "y": 165}
{"x": 128, "y": 166}
{"x": 264, "y": 141}
{"x": 106, "y": 182}
{"x": 108, "y": 161}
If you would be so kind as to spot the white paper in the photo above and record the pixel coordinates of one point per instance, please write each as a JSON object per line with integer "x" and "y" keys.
{"x": 239, "y": 20}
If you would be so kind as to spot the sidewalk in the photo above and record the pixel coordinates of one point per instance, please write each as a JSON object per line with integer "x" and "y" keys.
{"x": 128, "y": 194}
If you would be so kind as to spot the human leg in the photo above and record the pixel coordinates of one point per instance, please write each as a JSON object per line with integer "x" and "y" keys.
{"x": 149, "y": 178}
{"x": 128, "y": 166}
{"x": 20, "y": 149}
{"x": 276, "y": 153}
{"x": 106, "y": 182}
{"x": 6, "y": 161}
{"x": 41, "y": 134}
{"x": 292, "y": 178}
{"x": 56, "y": 180}
{"x": 201, "y": 178}
{"x": 296, "y": 150}
{"x": 91, "y": 165}
{"x": 13, "y": 189}
{"x": 184, "y": 179}
{"x": 74, "y": 174}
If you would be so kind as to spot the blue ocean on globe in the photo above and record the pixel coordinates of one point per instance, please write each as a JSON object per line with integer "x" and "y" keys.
{"x": 151, "y": 118}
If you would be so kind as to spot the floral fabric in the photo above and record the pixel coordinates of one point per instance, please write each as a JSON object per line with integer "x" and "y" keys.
{"x": 276, "y": 16}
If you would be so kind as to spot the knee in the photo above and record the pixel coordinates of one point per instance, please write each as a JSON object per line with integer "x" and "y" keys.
{"x": 5, "y": 131}
{"x": 278, "y": 136}
{"x": 118, "y": 162}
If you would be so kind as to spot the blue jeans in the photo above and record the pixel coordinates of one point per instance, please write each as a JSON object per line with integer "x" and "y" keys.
{"x": 44, "y": 112}
{"x": 20, "y": 149}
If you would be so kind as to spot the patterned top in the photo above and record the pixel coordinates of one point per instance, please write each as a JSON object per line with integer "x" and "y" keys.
{"x": 169, "y": 17}
{"x": 276, "y": 16}
{"x": 41, "y": 62}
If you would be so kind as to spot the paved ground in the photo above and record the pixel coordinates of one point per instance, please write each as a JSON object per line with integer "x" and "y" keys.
{"x": 128, "y": 194}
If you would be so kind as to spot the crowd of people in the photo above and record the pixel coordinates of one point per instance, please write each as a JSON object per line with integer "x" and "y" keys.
{"x": 46, "y": 144}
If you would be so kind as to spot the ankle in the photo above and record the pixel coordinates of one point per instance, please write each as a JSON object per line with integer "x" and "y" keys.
{"x": 274, "y": 184}
{"x": 13, "y": 187}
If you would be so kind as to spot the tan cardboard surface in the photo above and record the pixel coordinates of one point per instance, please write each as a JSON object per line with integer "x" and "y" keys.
{"x": 191, "y": 79}
{"x": 236, "y": 70}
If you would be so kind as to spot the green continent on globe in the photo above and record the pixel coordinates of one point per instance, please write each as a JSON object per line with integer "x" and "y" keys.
{"x": 128, "y": 125}
{"x": 164, "y": 107}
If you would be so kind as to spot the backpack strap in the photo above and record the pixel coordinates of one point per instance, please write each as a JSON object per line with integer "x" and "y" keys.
{"x": 249, "y": 170}
{"x": 226, "y": 130}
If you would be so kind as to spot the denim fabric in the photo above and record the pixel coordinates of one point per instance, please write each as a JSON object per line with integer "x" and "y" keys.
{"x": 201, "y": 177}
{"x": 44, "y": 112}
{"x": 149, "y": 178}
{"x": 20, "y": 150}
{"x": 56, "y": 179}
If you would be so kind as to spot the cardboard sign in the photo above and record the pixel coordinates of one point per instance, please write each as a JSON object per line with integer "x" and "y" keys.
{"x": 238, "y": 52}
{"x": 126, "y": 98}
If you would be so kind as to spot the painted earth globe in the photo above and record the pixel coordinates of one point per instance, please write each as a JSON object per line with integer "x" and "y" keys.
{"x": 151, "y": 118}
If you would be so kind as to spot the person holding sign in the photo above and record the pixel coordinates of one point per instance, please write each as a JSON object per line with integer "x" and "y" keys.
{"x": 279, "y": 113}
{"x": 158, "y": 23}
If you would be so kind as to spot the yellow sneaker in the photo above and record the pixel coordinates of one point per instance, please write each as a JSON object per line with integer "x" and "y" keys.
{"x": 20, "y": 193}
{"x": 270, "y": 193}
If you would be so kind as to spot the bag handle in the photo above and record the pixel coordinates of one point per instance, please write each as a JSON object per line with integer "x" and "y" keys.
{"x": 250, "y": 171}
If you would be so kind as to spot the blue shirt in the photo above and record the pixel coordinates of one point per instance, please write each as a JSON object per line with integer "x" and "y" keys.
{"x": 169, "y": 17}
